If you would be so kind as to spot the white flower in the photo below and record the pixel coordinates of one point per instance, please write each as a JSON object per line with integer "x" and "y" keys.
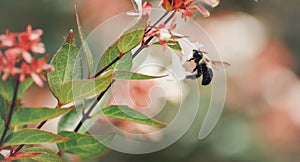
{"x": 187, "y": 48}
{"x": 164, "y": 34}
{"x": 176, "y": 66}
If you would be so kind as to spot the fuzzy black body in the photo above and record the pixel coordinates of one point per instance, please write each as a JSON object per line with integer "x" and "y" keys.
{"x": 202, "y": 68}
{"x": 204, "y": 71}
{"x": 207, "y": 74}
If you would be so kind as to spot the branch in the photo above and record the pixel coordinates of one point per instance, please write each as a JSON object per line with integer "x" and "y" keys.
{"x": 11, "y": 110}
{"x": 86, "y": 115}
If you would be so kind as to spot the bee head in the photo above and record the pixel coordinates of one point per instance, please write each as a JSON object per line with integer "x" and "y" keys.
{"x": 197, "y": 54}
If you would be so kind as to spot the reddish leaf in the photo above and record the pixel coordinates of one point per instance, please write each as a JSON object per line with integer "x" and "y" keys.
{"x": 23, "y": 155}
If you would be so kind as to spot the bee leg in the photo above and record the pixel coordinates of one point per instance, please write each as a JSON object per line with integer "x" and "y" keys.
{"x": 191, "y": 59}
{"x": 195, "y": 69}
{"x": 198, "y": 75}
{"x": 191, "y": 77}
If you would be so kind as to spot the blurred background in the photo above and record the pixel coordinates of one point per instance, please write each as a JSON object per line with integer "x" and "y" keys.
{"x": 261, "y": 118}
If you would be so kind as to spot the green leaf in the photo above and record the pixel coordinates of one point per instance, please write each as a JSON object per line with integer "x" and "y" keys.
{"x": 47, "y": 156}
{"x": 84, "y": 45}
{"x": 130, "y": 39}
{"x": 127, "y": 75}
{"x": 1, "y": 157}
{"x": 24, "y": 86}
{"x": 83, "y": 145}
{"x": 32, "y": 136}
{"x": 79, "y": 89}
{"x": 112, "y": 52}
{"x": 172, "y": 44}
{"x": 175, "y": 46}
{"x": 27, "y": 116}
{"x": 67, "y": 65}
{"x": 70, "y": 120}
{"x": 7, "y": 89}
{"x": 126, "y": 113}
{"x": 133, "y": 37}
{"x": 2, "y": 125}
{"x": 4, "y": 107}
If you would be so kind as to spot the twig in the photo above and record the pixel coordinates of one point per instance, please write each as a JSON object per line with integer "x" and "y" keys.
{"x": 11, "y": 110}
{"x": 86, "y": 115}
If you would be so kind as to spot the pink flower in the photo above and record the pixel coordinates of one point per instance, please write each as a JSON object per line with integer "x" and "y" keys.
{"x": 36, "y": 70}
{"x": 18, "y": 58}
{"x": 163, "y": 33}
{"x": 7, "y": 39}
{"x": 186, "y": 6}
{"x": 30, "y": 40}
{"x": 147, "y": 7}
{"x": 7, "y": 65}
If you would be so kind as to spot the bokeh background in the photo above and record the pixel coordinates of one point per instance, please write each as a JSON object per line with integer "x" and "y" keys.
{"x": 261, "y": 118}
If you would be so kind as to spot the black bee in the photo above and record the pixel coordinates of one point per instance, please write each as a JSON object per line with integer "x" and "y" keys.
{"x": 204, "y": 67}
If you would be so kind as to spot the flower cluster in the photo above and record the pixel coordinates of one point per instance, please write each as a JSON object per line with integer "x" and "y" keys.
{"x": 16, "y": 56}
{"x": 164, "y": 34}
{"x": 186, "y": 6}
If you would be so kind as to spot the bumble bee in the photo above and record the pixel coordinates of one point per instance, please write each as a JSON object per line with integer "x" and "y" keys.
{"x": 204, "y": 67}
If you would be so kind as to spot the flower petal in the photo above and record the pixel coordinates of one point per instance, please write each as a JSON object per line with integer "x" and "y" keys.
{"x": 38, "y": 48}
{"x": 147, "y": 7}
{"x": 26, "y": 56}
{"x": 164, "y": 34}
{"x": 212, "y": 3}
{"x": 201, "y": 9}
{"x": 166, "y": 5}
{"x": 187, "y": 48}
{"x": 176, "y": 66}
{"x": 38, "y": 81}
{"x": 36, "y": 34}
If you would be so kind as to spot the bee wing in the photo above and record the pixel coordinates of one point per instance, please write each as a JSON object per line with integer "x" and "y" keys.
{"x": 205, "y": 52}
{"x": 218, "y": 65}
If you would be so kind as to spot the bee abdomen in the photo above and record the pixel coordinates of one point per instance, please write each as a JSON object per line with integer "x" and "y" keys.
{"x": 207, "y": 75}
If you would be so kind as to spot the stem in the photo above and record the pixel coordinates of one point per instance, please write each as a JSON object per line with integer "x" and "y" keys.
{"x": 107, "y": 66}
{"x": 99, "y": 97}
{"x": 86, "y": 115}
{"x": 11, "y": 110}
{"x": 150, "y": 38}
{"x": 159, "y": 20}
{"x": 139, "y": 50}
{"x": 21, "y": 146}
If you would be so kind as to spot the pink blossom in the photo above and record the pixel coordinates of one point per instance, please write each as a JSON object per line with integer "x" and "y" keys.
{"x": 30, "y": 40}
{"x": 18, "y": 58}
{"x": 7, "y": 39}
{"x": 36, "y": 70}
{"x": 186, "y": 6}
{"x": 147, "y": 7}
{"x": 163, "y": 33}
